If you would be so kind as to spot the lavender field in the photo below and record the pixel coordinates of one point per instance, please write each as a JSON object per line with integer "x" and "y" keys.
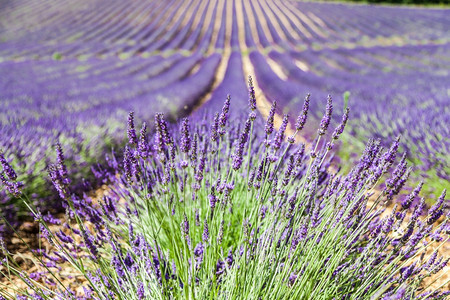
{"x": 72, "y": 71}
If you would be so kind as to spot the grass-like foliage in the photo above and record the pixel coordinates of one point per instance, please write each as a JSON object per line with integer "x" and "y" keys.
{"x": 227, "y": 208}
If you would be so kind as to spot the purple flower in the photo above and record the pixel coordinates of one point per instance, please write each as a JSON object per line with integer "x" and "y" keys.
{"x": 162, "y": 132}
{"x": 270, "y": 119}
{"x": 292, "y": 278}
{"x": 301, "y": 119}
{"x": 185, "y": 143}
{"x": 418, "y": 210}
{"x": 205, "y": 235}
{"x": 389, "y": 157}
{"x": 198, "y": 253}
{"x": 57, "y": 180}
{"x": 194, "y": 150}
{"x": 251, "y": 94}
{"x": 141, "y": 291}
{"x": 220, "y": 234}
{"x": 389, "y": 221}
{"x": 239, "y": 152}
{"x": 338, "y": 131}
{"x": 224, "y": 115}
{"x": 220, "y": 268}
{"x": 326, "y": 117}
{"x": 132, "y": 138}
{"x": 201, "y": 165}
{"x": 251, "y": 178}
{"x": 289, "y": 169}
{"x": 89, "y": 241}
{"x": 127, "y": 163}
{"x": 406, "y": 203}
{"x": 214, "y": 128}
{"x": 229, "y": 258}
{"x": 212, "y": 198}
{"x": 60, "y": 163}
{"x": 14, "y": 188}
{"x": 185, "y": 227}
{"x": 436, "y": 211}
{"x": 280, "y": 134}
{"x": 143, "y": 147}
{"x": 9, "y": 171}
{"x": 197, "y": 217}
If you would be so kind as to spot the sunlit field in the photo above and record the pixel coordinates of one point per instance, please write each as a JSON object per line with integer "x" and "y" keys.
{"x": 266, "y": 149}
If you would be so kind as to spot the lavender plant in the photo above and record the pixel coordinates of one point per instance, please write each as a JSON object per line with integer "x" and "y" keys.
{"x": 207, "y": 209}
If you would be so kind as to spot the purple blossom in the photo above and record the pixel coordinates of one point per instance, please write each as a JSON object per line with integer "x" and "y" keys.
{"x": 406, "y": 203}
{"x": 436, "y": 211}
{"x": 132, "y": 138}
{"x": 214, "y": 128}
{"x": 340, "y": 129}
{"x": 224, "y": 115}
{"x": 239, "y": 152}
{"x": 220, "y": 234}
{"x": 15, "y": 188}
{"x": 301, "y": 119}
{"x": 326, "y": 117}
{"x": 89, "y": 241}
{"x": 251, "y": 94}
{"x": 127, "y": 163}
{"x": 292, "y": 278}
{"x": 162, "y": 131}
{"x": 280, "y": 134}
{"x": 60, "y": 163}
{"x": 270, "y": 119}
{"x": 9, "y": 171}
{"x": 143, "y": 147}
{"x": 289, "y": 169}
{"x": 185, "y": 143}
{"x": 185, "y": 227}
{"x": 205, "y": 235}
{"x": 198, "y": 252}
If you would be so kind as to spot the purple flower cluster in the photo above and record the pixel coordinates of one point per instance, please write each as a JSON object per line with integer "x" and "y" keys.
{"x": 288, "y": 223}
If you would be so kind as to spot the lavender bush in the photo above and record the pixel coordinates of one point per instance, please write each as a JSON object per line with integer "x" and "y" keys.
{"x": 208, "y": 209}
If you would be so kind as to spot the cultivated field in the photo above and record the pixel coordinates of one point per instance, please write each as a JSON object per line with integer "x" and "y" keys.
{"x": 71, "y": 72}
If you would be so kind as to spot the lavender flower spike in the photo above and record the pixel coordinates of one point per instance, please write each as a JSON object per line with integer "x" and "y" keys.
{"x": 269, "y": 123}
{"x": 326, "y": 117}
{"x": 143, "y": 147}
{"x": 132, "y": 138}
{"x": 205, "y": 235}
{"x": 224, "y": 115}
{"x": 338, "y": 131}
{"x": 214, "y": 128}
{"x": 9, "y": 171}
{"x": 185, "y": 228}
{"x": 280, "y": 134}
{"x": 185, "y": 137}
{"x": 162, "y": 130}
{"x": 239, "y": 154}
{"x": 61, "y": 164}
{"x": 251, "y": 94}
{"x": 436, "y": 211}
{"x": 301, "y": 119}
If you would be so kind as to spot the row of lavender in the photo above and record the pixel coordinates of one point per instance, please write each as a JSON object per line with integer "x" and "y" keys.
{"x": 70, "y": 71}
{"x": 220, "y": 208}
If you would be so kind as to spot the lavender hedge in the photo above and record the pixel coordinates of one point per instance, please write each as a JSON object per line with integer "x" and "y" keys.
{"x": 208, "y": 208}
